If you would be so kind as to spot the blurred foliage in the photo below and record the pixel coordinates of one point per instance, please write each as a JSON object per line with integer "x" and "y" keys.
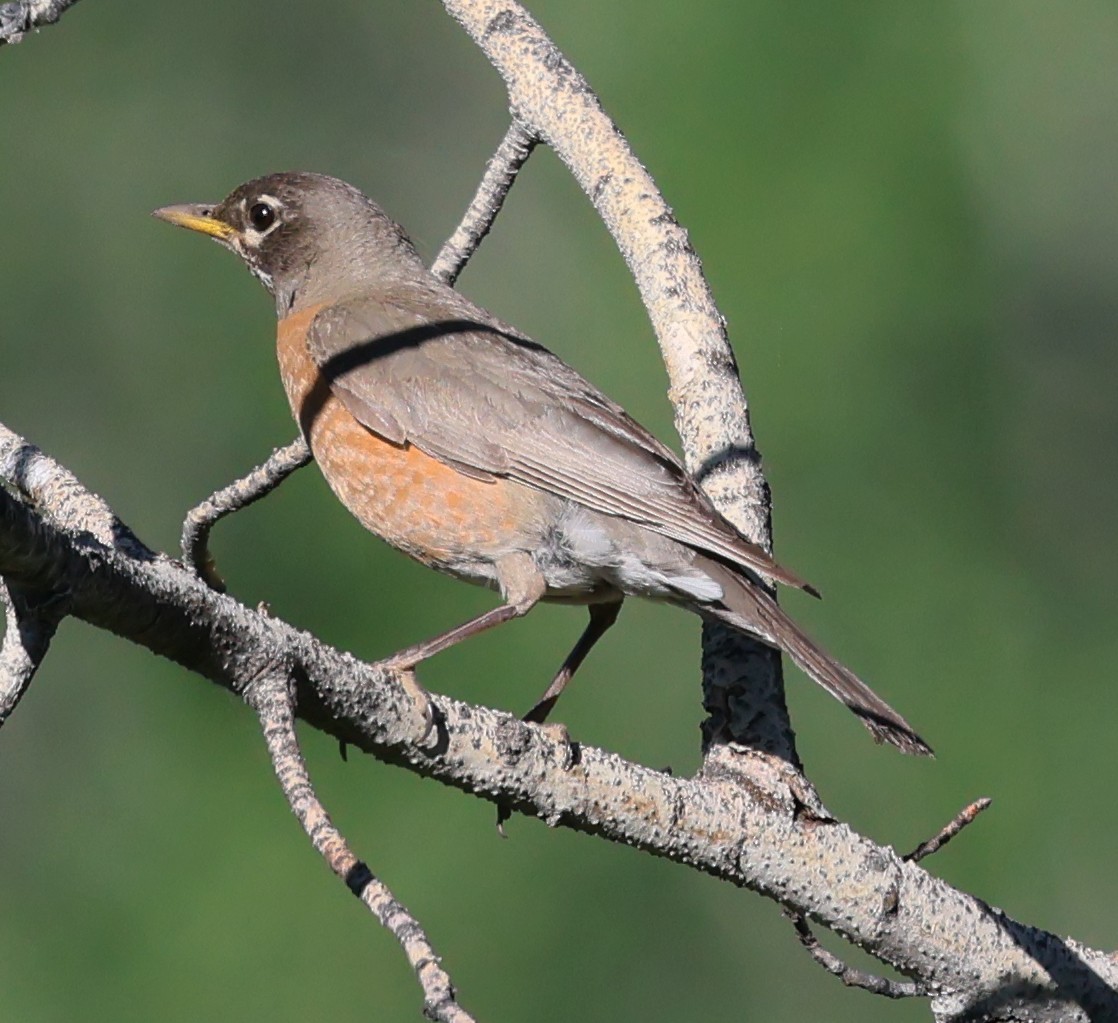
{"x": 908, "y": 215}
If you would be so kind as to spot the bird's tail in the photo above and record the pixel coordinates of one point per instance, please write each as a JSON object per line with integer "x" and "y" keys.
{"x": 747, "y": 607}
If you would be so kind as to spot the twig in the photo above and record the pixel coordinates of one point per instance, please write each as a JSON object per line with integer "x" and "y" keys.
{"x": 850, "y": 976}
{"x": 29, "y": 626}
{"x": 964, "y": 817}
{"x": 272, "y": 697}
{"x": 500, "y": 173}
{"x": 21, "y": 16}
{"x": 721, "y": 829}
{"x": 237, "y": 495}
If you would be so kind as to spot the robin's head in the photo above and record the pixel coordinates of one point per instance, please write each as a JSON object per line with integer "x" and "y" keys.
{"x": 307, "y": 237}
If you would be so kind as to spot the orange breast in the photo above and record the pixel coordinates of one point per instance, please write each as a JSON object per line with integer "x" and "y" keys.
{"x": 413, "y": 501}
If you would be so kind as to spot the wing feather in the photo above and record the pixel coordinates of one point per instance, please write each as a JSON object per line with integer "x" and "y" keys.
{"x": 472, "y": 392}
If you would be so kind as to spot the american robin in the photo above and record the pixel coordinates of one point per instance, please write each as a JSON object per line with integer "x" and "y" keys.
{"x": 478, "y": 452}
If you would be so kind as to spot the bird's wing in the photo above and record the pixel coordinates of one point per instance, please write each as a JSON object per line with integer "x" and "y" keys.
{"x": 471, "y": 392}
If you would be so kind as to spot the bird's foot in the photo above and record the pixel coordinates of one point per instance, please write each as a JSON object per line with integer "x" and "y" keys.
{"x": 419, "y": 696}
{"x": 558, "y": 734}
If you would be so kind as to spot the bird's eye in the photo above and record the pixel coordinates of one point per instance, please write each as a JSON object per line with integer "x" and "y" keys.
{"x": 261, "y": 216}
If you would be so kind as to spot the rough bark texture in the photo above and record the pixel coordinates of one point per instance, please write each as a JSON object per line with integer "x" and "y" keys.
{"x": 18, "y": 17}
{"x": 732, "y": 826}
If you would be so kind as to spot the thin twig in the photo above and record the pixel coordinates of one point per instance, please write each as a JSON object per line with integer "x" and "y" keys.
{"x": 500, "y": 173}
{"x": 850, "y": 976}
{"x": 239, "y": 494}
{"x": 272, "y": 697}
{"x": 19, "y": 17}
{"x": 964, "y": 817}
{"x": 29, "y": 626}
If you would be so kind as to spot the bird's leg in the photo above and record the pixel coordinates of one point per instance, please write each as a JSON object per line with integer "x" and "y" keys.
{"x": 405, "y": 661}
{"x": 409, "y": 657}
{"x": 521, "y": 584}
{"x": 602, "y": 616}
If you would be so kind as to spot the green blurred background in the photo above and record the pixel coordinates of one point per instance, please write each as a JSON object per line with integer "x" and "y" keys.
{"x": 908, "y": 215}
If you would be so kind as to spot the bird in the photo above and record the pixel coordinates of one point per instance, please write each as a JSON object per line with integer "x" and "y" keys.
{"x": 478, "y": 452}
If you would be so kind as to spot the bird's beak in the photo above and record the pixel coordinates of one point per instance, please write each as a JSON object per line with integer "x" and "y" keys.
{"x": 196, "y": 217}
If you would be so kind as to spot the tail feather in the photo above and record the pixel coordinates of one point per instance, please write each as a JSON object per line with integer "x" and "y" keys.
{"x": 747, "y": 607}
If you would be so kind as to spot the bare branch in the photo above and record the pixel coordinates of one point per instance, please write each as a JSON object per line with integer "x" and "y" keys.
{"x": 771, "y": 837}
{"x": 964, "y": 817}
{"x": 982, "y": 964}
{"x": 237, "y": 495}
{"x": 19, "y": 17}
{"x": 850, "y": 976}
{"x": 272, "y": 697}
{"x": 500, "y": 173}
{"x": 742, "y": 679}
{"x": 55, "y": 490}
{"x": 30, "y": 623}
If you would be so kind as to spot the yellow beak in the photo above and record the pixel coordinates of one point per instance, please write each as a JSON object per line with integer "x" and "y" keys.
{"x": 195, "y": 217}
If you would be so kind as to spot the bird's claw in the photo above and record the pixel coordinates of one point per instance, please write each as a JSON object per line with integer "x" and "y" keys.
{"x": 558, "y": 734}
{"x": 419, "y": 696}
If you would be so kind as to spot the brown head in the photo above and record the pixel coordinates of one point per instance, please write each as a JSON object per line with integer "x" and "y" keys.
{"x": 308, "y": 237}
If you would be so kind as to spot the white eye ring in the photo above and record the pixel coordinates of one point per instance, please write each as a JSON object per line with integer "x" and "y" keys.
{"x": 262, "y": 216}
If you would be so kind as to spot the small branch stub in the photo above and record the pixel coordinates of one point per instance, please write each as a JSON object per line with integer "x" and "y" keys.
{"x": 964, "y": 817}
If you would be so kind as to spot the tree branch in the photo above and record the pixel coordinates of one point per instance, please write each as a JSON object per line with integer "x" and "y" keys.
{"x": 742, "y": 679}
{"x": 19, "y": 17}
{"x": 500, "y": 173}
{"x": 239, "y": 494}
{"x": 272, "y": 697}
{"x": 29, "y": 625}
{"x": 60, "y": 496}
{"x": 982, "y": 964}
{"x": 749, "y": 819}
{"x": 965, "y": 816}
{"x": 850, "y": 976}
